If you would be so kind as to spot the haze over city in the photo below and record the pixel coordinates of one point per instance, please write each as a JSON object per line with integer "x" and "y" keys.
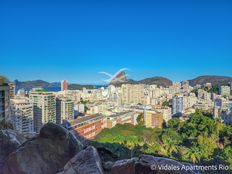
{"x": 75, "y": 40}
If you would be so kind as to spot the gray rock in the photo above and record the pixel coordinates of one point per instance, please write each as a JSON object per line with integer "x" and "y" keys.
{"x": 126, "y": 166}
{"x": 47, "y": 153}
{"x": 9, "y": 142}
{"x": 107, "y": 166}
{"x": 147, "y": 164}
{"x": 86, "y": 161}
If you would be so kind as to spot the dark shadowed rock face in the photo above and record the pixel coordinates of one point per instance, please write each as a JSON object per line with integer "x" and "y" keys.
{"x": 9, "y": 141}
{"x": 86, "y": 161}
{"x": 127, "y": 166}
{"x": 147, "y": 164}
{"x": 47, "y": 153}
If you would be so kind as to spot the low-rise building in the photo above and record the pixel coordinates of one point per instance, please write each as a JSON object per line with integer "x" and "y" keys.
{"x": 122, "y": 118}
{"x": 89, "y": 126}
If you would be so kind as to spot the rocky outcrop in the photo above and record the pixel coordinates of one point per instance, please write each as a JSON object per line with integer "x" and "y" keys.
{"x": 126, "y": 166}
{"x": 86, "y": 161}
{"x": 57, "y": 151}
{"x": 9, "y": 142}
{"x": 147, "y": 164}
{"x": 47, "y": 153}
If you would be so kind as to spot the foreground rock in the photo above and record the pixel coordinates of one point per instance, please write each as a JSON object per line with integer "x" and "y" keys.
{"x": 45, "y": 154}
{"x": 147, "y": 164}
{"x": 86, "y": 161}
{"x": 9, "y": 142}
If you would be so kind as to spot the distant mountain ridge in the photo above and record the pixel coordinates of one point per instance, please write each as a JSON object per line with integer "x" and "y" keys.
{"x": 160, "y": 81}
{"x": 45, "y": 84}
{"x": 215, "y": 80}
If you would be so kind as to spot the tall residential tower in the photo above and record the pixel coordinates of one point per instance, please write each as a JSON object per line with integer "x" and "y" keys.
{"x": 44, "y": 108}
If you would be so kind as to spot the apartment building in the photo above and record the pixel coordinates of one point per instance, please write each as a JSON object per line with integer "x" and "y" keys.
{"x": 4, "y": 100}
{"x": 44, "y": 108}
{"x": 64, "y": 110}
{"x": 22, "y": 115}
{"x": 132, "y": 94}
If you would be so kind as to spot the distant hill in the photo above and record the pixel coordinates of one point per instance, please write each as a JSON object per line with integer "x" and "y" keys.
{"x": 160, "y": 81}
{"x": 44, "y": 84}
{"x": 79, "y": 87}
{"x": 31, "y": 84}
{"x": 215, "y": 80}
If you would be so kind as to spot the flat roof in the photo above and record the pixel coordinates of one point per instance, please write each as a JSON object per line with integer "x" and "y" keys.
{"x": 85, "y": 118}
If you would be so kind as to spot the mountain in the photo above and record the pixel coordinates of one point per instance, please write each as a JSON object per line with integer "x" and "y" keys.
{"x": 44, "y": 84}
{"x": 160, "y": 81}
{"x": 30, "y": 84}
{"x": 120, "y": 77}
{"x": 215, "y": 80}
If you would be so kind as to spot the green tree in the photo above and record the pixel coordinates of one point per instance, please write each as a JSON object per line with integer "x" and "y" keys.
{"x": 140, "y": 120}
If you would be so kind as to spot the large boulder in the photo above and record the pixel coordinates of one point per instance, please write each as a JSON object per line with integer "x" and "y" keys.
{"x": 47, "y": 153}
{"x": 147, "y": 164}
{"x": 9, "y": 142}
{"x": 126, "y": 166}
{"x": 86, "y": 161}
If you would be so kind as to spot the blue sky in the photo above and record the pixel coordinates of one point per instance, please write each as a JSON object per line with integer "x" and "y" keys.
{"x": 74, "y": 40}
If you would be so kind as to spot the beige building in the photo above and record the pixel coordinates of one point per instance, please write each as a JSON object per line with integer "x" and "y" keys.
{"x": 133, "y": 94}
{"x": 122, "y": 118}
{"x": 225, "y": 90}
{"x": 12, "y": 90}
{"x": 153, "y": 119}
{"x": 44, "y": 108}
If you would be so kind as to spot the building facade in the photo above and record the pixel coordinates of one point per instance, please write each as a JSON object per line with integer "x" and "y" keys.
{"x": 22, "y": 115}
{"x": 225, "y": 90}
{"x": 64, "y": 85}
{"x": 89, "y": 126}
{"x": 177, "y": 105}
{"x": 132, "y": 94}
{"x": 44, "y": 108}
{"x": 4, "y": 100}
{"x": 64, "y": 110}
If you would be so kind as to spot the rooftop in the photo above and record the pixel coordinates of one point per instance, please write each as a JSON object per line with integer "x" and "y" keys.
{"x": 86, "y": 118}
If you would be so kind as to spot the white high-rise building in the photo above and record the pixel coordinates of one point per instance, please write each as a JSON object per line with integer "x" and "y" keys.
{"x": 12, "y": 90}
{"x": 133, "y": 94}
{"x": 44, "y": 108}
{"x": 21, "y": 93}
{"x": 22, "y": 115}
{"x": 177, "y": 105}
{"x": 4, "y": 100}
{"x": 64, "y": 110}
{"x": 225, "y": 90}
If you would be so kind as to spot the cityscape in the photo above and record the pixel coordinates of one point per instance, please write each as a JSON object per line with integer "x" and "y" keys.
{"x": 116, "y": 87}
{"x": 89, "y": 113}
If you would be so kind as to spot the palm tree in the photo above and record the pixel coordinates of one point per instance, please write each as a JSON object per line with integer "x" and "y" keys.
{"x": 193, "y": 154}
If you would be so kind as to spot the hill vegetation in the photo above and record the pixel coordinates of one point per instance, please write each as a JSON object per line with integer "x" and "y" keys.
{"x": 214, "y": 80}
{"x": 160, "y": 81}
{"x": 200, "y": 140}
